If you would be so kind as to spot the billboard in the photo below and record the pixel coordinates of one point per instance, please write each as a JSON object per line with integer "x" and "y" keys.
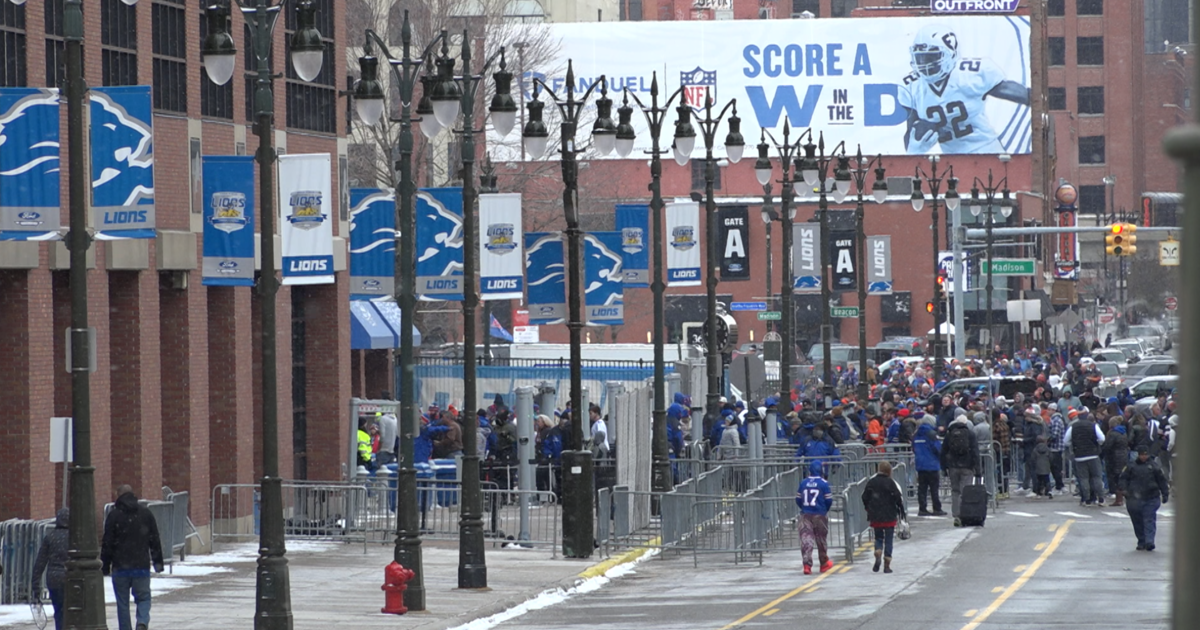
{"x": 894, "y": 85}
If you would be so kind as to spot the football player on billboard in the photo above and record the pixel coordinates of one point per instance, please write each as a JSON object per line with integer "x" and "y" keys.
{"x": 944, "y": 96}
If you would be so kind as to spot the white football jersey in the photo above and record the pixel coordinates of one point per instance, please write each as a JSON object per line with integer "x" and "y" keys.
{"x": 957, "y": 109}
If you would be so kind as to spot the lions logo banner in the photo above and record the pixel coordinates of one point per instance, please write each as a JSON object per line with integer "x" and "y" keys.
{"x": 439, "y": 244}
{"x": 683, "y": 246}
{"x": 633, "y": 224}
{"x": 605, "y": 298}
{"x": 372, "y": 243}
{"x": 29, "y": 164}
{"x": 122, "y": 143}
{"x": 501, "y": 256}
{"x": 806, "y": 257}
{"x": 545, "y": 276}
{"x": 879, "y": 265}
{"x": 306, "y": 218}
{"x": 228, "y": 220}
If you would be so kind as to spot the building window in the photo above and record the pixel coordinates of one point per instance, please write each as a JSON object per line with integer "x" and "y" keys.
{"x": 118, "y": 39}
{"x": 698, "y": 167}
{"x": 1091, "y": 199}
{"x": 1056, "y": 8}
{"x": 56, "y": 46}
{"x": 12, "y": 45}
{"x": 632, "y": 10}
{"x": 216, "y": 101}
{"x": 842, "y": 8}
{"x": 811, "y": 6}
{"x": 313, "y": 106}
{"x": 1089, "y": 51}
{"x": 1056, "y": 48}
{"x": 1089, "y": 7}
{"x": 1091, "y": 149}
{"x": 1056, "y": 98}
{"x": 1091, "y": 100}
{"x": 170, "y": 55}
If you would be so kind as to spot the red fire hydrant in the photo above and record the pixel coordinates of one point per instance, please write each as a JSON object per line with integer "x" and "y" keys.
{"x": 395, "y": 582}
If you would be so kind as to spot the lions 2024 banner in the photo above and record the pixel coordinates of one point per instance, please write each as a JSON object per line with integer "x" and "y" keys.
{"x": 964, "y": 79}
{"x": 29, "y": 164}
{"x": 501, "y": 259}
{"x": 122, "y": 143}
{"x": 605, "y": 297}
{"x": 439, "y": 244}
{"x": 372, "y": 243}
{"x": 228, "y": 220}
{"x": 633, "y": 224}
{"x": 306, "y": 218}
{"x": 683, "y": 246}
{"x": 545, "y": 274}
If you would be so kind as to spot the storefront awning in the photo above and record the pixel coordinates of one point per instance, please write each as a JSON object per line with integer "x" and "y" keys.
{"x": 368, "y": 329}
{"x": 391, "y": 314}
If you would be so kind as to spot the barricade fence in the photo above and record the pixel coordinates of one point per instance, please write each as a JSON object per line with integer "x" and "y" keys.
{"x": 19, "y": 544}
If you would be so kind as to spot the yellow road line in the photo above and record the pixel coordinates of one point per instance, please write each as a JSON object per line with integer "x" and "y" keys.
{"x": 770, "y": 612}
{"x": 844, "y": 569}
{"x": 1052, "y": 527}
{"x": 1020, "y": 581}
{"x": 806, "y": 587}
{"x": 1019, "y": 568}
{"x": 970, "y": 613}
{"x": 601, "y": 568}
{"x": 998, "y": 589}
{"x": 1040, "y": 546}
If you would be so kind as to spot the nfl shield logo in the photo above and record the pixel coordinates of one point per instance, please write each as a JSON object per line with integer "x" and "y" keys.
{"x": 699, "y": 87}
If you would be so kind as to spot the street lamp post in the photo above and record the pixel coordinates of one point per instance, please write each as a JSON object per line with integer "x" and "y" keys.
{"x": 577, "y": 512}
{"x": 879, "y": 192}
{"x": 685, "y": 138}
{"x": 438, "y": 107}
{"x": 918, "y": 203}
{"x": 273, "y": 606}
{"x": 769, "y": 216}
{"x": 990, "y": 190}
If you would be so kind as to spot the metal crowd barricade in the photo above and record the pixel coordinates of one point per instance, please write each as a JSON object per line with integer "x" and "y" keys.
{"x": 19, "y": 544}
{"x": 181, "y": 524}
{"x": 336, "y": 511}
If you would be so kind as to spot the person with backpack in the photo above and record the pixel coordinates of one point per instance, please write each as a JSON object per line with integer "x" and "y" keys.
{"x": 52, "y": 560}
{"x": 130, "y": 546}
{"x": 960, "y": 460}
{"x": 1084, "y": 437}
{"x": 814, "y": 497}
{"x": 927, "y": 453}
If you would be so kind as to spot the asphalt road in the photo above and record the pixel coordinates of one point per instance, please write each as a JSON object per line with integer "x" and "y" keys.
{"x": 1037, "y": 564}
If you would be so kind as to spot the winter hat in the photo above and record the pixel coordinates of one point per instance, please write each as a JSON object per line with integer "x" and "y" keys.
{"x": 979, "y": 418}
{"x": 1073, "y": 413}
{"x": 1143, "y": 450}
{"x": 815, "y": 469}
{"x": 903, "y": 413}
{"x": 1053, "y": 406}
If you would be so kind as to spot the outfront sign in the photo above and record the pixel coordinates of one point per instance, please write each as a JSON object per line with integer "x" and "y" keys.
{"x": 973, "y": 6}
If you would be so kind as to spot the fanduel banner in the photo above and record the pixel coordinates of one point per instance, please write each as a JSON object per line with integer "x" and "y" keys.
{"x": 372, "y": 243}
{"x": 894, "y": 85}
{"x": 501, "y": 259}
{"x": 29, "y": 164}
{"x": 735, "y": 243}
{"x": 633, "y": 222}
{"x": 806, "y": 257}
{"x": 605, "y": 298}
{"x": 545, "y": 276}
{"x": 683, "y": 246}
{"x": 306, "y": 218}
{"x": 843, "y": 261}
{"x": 439, "y": 244}
{"x": 228, "y": 220}
{"x": 122, "y": 143}
{"x": 879, "y": 265}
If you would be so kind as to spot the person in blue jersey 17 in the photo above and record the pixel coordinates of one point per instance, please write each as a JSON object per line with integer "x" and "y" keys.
{"x": 814, "y": 497}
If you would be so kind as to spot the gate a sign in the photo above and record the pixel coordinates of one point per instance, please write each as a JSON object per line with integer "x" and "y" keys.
{"x": 843, "y": 258}
{"x": 735, "y": 243}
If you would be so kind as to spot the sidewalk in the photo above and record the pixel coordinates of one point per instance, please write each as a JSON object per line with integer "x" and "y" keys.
{"x": 333, "y": 584}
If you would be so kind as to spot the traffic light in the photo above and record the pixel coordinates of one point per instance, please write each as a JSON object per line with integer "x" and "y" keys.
{"x": 1121, "y": 239}
{"x": 1130, "y": 234}
{"x": 929, "y": 307}
{"x": 940, "y": 296}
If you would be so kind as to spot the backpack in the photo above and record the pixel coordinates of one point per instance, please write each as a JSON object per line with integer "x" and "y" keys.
{"x": 958, "y": 441}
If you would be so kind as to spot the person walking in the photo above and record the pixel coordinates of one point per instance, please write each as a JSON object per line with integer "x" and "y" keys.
{"x": 814, "y": 497}
{"x": 1084, "y": 438}
{"x": 1115, "y": 456}
{"x": 131, "y": 544}
{"x": 960, "y": 460}
{"x": 926, "y": 452}
{"x": 52, "y": 559}
{"x": 1146, "y": 489}
{"x": 885, "y": 507}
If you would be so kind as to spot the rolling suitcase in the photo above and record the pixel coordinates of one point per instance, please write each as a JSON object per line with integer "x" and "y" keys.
{"x": 973, "y": 510}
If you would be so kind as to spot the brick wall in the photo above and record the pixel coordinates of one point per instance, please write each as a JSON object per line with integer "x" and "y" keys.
{"x": 136, "y": 393}
{"x": 229, "y": 392}
{"x": 328, "y": 386}
{"x": 377, "y": 370}
{"x": 283, "y": 379}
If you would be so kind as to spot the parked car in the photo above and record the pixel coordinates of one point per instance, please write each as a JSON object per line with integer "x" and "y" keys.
{"x": 1111, "y": 379}
{"x": 1145, "y": 369}
{"x": 1133, "y": 348}
{"x": 843, "y": 356}
{"x": 1111, "y": 354}
{"x": 1151, "y": 334}
{"x": 1152, "y": 385}
{"x": 1007, "y": 386}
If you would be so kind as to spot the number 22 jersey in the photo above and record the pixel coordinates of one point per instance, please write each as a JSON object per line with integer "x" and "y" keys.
{"x": 956, "y": 109}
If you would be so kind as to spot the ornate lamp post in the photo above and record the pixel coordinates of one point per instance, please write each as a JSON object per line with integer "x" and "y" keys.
{"x": 578, "y": 537}
{"x": 951, "y": 200}
{"x": 879, "y": 192}
{"x": 978, "y": 204}
{"x": 439, "y": 107}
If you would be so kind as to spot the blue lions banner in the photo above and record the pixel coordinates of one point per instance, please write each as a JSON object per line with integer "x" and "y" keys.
{"x": 29, "y": 164}
{"x": 500, "y": 257}
{"x": 228, "y": 220}
{"x": 544, "y": 278}
{"x": 372, "y": 243}
{"x": 605, "y": 298}
{"x": 439, "y": 244}
{"x": 633, "y": 224}
{"x": 122, "y": 142}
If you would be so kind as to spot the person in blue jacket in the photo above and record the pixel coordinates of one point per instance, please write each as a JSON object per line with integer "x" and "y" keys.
{"x": 814, "y": 498}
{"x": 680, "y": 409}
{"x": 927, "y": 453}
{"x": 819, "y": 445}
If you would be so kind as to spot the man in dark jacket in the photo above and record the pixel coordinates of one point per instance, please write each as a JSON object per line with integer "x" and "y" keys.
{"x": 884, "y": 503}
{"x": 130, "y": 544}
{"x": 52, "y": 558}
{"x": 1146, "y": 489}
{"x": 960, "y": 459}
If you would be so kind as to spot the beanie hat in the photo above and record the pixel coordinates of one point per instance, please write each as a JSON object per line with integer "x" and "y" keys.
{"x": 1073, "y": 413}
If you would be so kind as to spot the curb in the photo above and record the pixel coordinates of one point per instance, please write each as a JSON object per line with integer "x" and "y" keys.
{"x": 600, "y": 568}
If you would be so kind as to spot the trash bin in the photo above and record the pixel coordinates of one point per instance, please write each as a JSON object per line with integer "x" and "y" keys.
{"x": 446, "y": 470}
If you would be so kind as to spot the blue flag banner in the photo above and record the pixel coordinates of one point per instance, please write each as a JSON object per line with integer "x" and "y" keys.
{"x": 633, "y": 223}
{"x": 497, "y": 330}
{"x": 439, "y": 244}
{"x": 122, "y": 144}
{"x": 602, "y": 284}
{"x": 544, "y": 278}
{"x": 29, "y": 165}
{"x": 372, "y": 243}
{"x": 228, "y": 256}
